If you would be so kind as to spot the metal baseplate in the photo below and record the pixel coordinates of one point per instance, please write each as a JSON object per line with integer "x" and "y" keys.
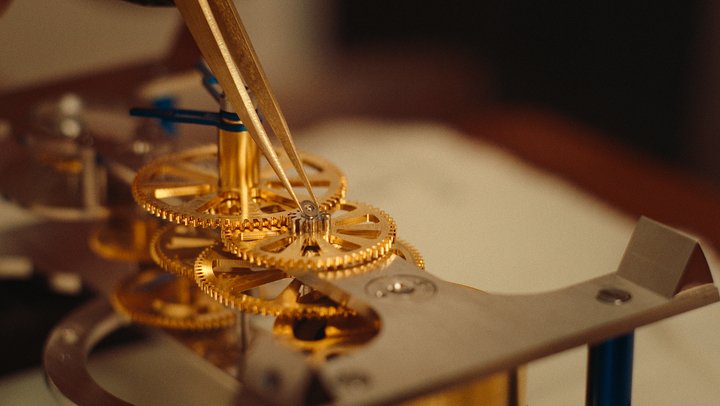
{"x": 433, "y": 334}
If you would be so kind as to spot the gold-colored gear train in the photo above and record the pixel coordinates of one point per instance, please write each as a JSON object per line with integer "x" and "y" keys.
{"x": 355, "y": 234}
{"x": 237, "y": 284}
{"x": 157, "y": 298}
{"x": 187, "y": 188}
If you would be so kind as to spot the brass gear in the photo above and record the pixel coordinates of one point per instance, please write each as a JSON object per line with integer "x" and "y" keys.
{"x": 237, "y": 284}
{"x": 123, "y": 236}
{"x": 175, "y": 247}
{"x": 183, "y": 188}
{"x": 357, "y": 234}
{"x": 157, "y": 298}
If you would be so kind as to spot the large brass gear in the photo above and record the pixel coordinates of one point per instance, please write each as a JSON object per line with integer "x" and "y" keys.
{"x": 160, "y": 299}
{"x": 236, "y": 284}
{"x": 356, "y": 234}
{"x": 183, "y": 188}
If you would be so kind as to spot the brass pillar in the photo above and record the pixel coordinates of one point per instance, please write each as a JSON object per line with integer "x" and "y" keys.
{"x": 238, "y": 166}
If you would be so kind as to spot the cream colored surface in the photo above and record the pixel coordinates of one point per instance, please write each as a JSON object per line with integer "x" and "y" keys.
{"x": 47, "y": 40}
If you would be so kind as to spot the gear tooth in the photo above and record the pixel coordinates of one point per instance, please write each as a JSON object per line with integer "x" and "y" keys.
{"x": 409, "y": 252}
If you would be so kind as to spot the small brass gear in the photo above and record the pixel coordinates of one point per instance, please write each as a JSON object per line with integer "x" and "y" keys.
{"x": 237, "y": 284}
{"x": 160, "y": 299}
{"x": 175, "y": 247}
{"x": 183, "y": 188}
{"x": 355, "y": 234}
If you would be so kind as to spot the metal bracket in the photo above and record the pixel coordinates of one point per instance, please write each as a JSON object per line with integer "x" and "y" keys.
{"x": 436, "y": 334}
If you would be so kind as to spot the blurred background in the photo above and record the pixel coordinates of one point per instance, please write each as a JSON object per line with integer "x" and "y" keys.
{"x": 641, "y": 74}
{"x": 639, "y": 77}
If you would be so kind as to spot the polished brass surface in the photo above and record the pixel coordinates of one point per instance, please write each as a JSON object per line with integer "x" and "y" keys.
{"x": 157, "y": 298}
{"x": 358, "y": 235}
{"x": 238, "y": 166}
{"x": 183, "y": 188}
{"x": 238, "y": 162}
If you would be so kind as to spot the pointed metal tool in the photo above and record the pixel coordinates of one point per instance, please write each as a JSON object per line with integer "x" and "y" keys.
{"x": 219, "y": 33}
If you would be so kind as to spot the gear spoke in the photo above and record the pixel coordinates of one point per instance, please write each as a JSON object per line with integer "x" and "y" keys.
{"x": 294, "y": 248}
{"x": 330, "y": 249}
{"x": 191, "y": 170}
{"x": 359, "y": 234}
{"x": 320, "y": 179}
{"x": 245, "y": 280}
{"x": 362, "y": 230}
{"x": 201, "y": 203}
{"x": 164, "y": 190}
{"x": 180, "y": 243}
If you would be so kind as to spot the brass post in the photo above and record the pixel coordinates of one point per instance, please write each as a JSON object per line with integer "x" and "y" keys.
{"x": 238, "y": 165}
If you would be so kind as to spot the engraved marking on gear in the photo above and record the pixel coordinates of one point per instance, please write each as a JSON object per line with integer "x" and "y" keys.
{"x": 183, "y": 188}
{"x": 359, "y": 234}
{"x": 237, "y": 284}
{"x": 157, "y": 298}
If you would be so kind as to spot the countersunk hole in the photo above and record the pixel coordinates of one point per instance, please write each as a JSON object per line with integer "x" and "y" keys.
{"x": 613, "y": 296}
